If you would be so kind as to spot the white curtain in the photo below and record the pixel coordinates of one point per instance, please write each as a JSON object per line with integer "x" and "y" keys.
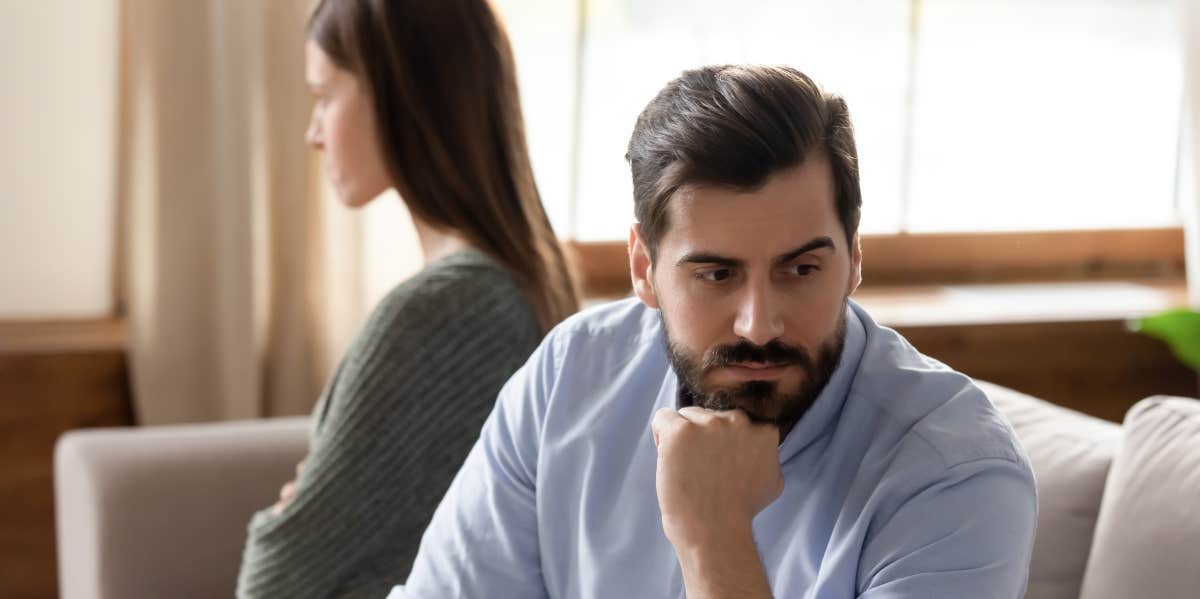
{"x": 243, "y": 282}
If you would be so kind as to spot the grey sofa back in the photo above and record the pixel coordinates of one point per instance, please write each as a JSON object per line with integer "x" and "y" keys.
{"x": 162, "y": 511}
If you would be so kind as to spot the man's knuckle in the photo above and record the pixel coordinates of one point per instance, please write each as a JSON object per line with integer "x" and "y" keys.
{"x": 685, "y": 429}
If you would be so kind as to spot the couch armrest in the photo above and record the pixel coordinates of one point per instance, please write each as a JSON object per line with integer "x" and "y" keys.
{"x": 162, "y": 511}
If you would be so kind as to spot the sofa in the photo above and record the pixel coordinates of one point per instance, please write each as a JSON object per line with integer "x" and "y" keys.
{"x": 162, "y": 511}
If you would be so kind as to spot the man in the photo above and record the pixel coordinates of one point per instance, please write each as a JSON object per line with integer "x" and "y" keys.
{"x": 740, "y": 428}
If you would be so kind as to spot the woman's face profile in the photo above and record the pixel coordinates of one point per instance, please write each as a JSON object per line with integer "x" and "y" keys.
{"x": 343, "y": 128}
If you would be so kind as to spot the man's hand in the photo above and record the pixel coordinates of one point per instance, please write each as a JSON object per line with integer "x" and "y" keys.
{"x": 287, "y": 491}
{"x": 716, "y": 471}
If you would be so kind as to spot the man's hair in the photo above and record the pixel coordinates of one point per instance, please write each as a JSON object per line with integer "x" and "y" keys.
{"x": 735, "y": 126}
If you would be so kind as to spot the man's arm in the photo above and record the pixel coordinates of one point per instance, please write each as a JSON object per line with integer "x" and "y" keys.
{"x": 483, "y": 539}
{"x": 966, "y": 533}
{"x": 716, "y": 471}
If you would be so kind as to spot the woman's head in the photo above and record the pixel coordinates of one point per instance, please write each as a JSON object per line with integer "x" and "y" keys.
{"x": 445, "y": 119}
{"x": 343, "y": 127}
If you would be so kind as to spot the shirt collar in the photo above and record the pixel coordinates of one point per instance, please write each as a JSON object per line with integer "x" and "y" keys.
{"x": 819, "y": 418}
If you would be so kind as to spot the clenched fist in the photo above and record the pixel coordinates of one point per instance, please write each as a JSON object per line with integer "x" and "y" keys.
{"x": 716, "y": 471}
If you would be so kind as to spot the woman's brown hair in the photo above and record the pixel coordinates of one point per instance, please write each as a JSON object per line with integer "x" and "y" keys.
{"x": 442, "y": 79}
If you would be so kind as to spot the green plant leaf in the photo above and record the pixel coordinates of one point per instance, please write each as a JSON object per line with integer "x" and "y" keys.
{"x": 1179, "y": 329}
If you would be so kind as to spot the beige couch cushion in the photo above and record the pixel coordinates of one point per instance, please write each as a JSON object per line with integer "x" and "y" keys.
{"x": 1071, "y": 454}
{"x": 1148, "y": 535}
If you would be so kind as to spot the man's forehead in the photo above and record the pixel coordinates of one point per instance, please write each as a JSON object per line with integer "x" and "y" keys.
{"x": 791, "y": 207}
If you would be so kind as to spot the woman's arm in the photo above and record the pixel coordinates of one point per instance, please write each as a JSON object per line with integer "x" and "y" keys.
{"x": 407, "y": 406}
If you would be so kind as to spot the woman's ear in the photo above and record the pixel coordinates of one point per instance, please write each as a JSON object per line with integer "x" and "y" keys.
{"x": 641, "y": 268}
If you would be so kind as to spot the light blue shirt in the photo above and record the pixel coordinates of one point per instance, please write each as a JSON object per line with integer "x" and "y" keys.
{"x": 902, "y": 480}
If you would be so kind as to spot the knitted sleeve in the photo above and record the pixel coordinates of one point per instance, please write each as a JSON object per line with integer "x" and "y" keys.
{"x": 407, "y": 405}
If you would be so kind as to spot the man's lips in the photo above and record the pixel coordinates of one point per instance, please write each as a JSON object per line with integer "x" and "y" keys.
{"x": 757, "y": 371}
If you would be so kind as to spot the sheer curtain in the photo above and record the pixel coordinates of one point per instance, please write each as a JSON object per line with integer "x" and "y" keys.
{"x": 243, "y": 281}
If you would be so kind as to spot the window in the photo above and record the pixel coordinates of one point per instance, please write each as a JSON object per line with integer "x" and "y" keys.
{"x": 978, "y": 115}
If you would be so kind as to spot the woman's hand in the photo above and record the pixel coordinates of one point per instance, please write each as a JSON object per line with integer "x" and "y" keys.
{"x": 287, "y": 491}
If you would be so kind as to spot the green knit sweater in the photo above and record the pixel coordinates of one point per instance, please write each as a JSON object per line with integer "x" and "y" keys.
{"x": 390, "y": 431}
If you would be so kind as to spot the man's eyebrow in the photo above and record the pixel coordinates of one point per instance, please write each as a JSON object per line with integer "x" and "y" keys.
{"x": 815, "y": 244}
{"x": 702, "y": 257}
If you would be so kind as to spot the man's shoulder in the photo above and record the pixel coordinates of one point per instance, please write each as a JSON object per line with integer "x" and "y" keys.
{"x": 605, "y": 352}
{"x": 965, "y": 427}
{"x": 936, "y": 408}
{"x": 618, "y": 325}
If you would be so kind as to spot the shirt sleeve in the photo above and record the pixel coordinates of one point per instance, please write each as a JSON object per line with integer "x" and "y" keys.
{"x": 405, "y": 408}
{"x": 968, "y": 533}
{"x": 483, "y": 540}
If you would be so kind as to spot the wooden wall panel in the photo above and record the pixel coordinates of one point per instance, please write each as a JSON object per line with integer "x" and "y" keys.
{"x": 42, "y": 395}
{"x": 1099, "y": 367}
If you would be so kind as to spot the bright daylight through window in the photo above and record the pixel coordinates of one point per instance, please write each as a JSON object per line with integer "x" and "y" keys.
{"x": 971, "y": 115}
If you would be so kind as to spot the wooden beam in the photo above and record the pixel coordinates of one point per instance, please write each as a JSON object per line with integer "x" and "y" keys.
{"x": 1028, "y": 256}
{"x": 54, "y": 376}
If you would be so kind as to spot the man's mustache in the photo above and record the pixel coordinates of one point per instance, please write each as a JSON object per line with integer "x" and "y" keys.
{"x": 774, "y": 352}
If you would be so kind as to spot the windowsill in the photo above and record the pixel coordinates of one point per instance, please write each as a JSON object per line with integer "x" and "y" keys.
{"x": 973, "y": 304}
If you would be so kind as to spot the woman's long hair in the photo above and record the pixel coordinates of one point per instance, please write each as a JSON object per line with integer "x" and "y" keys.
{"x": 443, "y": 84}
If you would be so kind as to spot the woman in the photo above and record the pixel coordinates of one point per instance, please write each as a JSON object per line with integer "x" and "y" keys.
{"x": 421, "y": 97}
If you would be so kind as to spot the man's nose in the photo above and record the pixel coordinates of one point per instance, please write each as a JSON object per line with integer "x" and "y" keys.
{"x": 760, "y": 315}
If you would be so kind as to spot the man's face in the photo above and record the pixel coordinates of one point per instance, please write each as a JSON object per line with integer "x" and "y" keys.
{"x": 752, "y": 288}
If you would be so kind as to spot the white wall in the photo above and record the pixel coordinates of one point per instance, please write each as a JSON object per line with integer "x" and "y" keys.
{"x": 58, "y": 113}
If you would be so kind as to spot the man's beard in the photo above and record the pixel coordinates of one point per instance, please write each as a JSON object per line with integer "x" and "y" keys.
{"x": 761, "y": 400}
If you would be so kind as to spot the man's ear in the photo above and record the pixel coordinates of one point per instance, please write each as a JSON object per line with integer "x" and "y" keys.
{"x": 855, "y": 265}
{"x": 641, "y": 269}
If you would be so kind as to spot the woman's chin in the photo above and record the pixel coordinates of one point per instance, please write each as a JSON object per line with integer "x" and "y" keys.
{"x": 354, "y": 196}
{"x": 350, "y": 199}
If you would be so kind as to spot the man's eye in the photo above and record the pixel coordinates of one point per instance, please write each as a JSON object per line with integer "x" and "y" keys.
{"x": 802, "y": 270}
{"x": 715, "y": 275}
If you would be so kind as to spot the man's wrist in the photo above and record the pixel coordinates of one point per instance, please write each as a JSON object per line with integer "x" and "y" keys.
{"x": 722, "y": 561}
{"x": 707, "y": 536}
